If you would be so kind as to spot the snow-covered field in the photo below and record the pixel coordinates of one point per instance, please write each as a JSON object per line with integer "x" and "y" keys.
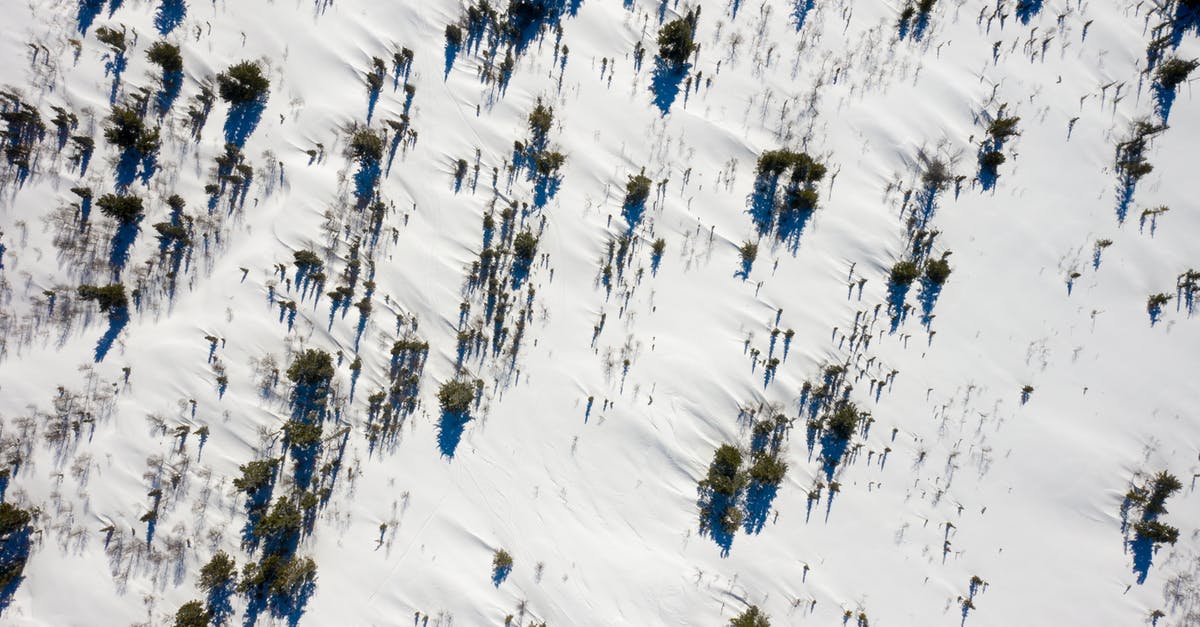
{"x": 1011, "y": 411}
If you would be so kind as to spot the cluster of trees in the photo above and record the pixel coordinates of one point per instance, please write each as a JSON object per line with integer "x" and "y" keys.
{"x": 785, "y": 193}
{"x": 740, "y": 484}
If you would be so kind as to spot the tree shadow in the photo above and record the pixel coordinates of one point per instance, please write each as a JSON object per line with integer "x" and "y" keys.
{"x": 243, "y": 118}
{"x": 499, "y": 574}
{"x": 712, "y": 507}
{"x": 450, "y": 431}
{"x": 664, "y": 83}
{"x": 928, "y": 298}
{"x": 833, "y": 450}
{"x": 123, "y": 239}
{"x": 1164, "y": 98}
{"x": 452, "y": 50}
{"x": 366, "y": 179}
{"x": 118, "y": 317}
{"x": 170, "y": 14}
{"x": 14, "y": 552}
{"x": 800, "y": 10}
{"x": 172, "y": 82}
{"x": 88, "y": 11}
{"x": 1028, "y": 9}
{"x": 759, "y": 498}
{"x": 1142, "y": 550}
{"x": 897, "y": 310}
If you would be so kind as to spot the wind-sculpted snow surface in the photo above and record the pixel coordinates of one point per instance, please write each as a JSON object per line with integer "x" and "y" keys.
{"x": 599, "y": 313}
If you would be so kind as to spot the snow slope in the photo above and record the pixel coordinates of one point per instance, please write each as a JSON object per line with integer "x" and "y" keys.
{"x": 956, "y": 477}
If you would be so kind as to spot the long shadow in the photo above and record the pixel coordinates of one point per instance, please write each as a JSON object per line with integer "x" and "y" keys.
{"x": 88, "y": 11}
{"x": 928, "y": 298}
{"x": 116, "y": 68}
{"x": 897, "y": 292}
{"x": 712, "y": 506}
{"x": 169, "y": 15}
{"x": 1028, "y": 9}
{"x": 118, "y": 317}
{"x": 14, "y": 552}
{"x": 1126, "y": 186}
{"x": 172, "y": 82}
{"x": 1142, "y": 550}
{"x": 833, "y": 450}
{"x": 220, "y": 603}
{"x": 1186, "y": 20}
{"x": 122, "y": 241}
{"x": 450, "y": 431}
{"x": 664, "y": 83}
{"x": 1164, "y": 97}
{"x": 366, "y": 179}
{"x": 242, "y": 120}
{"x": 632, "y": 212}
{"x": 499, "y": 574}
{"x": 800, "y": 10}
{"x": 452, "y": 51}
{"x": 790, "y": 227}
{"x": 759, "y": 498}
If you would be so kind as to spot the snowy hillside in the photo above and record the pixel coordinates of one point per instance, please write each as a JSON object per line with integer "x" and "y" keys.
{"x": 586, "y": 312}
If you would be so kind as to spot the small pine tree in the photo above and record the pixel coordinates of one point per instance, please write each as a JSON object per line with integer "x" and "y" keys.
{"x": 109, "y": 297}
{"x": 637, "y": 190}
{"x": 218, "y": 573}
{"x": 525, "y": 246}
{"x": 752, "y": 617}
{"x": 123, "y": 209}
{"x": 904, "y": 273}
{"x": 243, "y": 83}
{"x": 165, "y": 56}
{"x": 456, "y": 396}
{"x": 192, "y": 614}
{"x": 311, "y": 367}
{"x": 676, "y": 39}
